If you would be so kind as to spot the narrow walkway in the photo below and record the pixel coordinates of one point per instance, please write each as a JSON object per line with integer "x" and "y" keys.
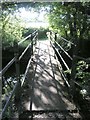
{"x": 44, "y": 94}
{"x": 44, "y": 89}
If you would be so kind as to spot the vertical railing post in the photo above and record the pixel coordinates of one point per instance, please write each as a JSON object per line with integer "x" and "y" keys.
{"x": 50, "y": 38}
{"x": 16, "y": 54}
{"x": 55, "y": 38}
{"x": 36, "y": 38}
{"x": 31, "y": 44}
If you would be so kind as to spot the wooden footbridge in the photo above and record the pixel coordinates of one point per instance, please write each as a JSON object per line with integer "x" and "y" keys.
{"x": 43, "y": 91}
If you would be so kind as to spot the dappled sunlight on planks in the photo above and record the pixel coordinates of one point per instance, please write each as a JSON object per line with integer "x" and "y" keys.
{"x": 46, "y": 88}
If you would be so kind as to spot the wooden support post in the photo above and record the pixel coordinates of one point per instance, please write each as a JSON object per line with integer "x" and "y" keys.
{"x": 50, "y": 38}
{"x": 31, "y": 44}
{"x": 36, "y": 38}
{"x": 16, "y": 54}
{"x": 55, "y": 38}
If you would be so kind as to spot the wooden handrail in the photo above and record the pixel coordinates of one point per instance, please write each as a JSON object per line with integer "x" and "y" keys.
{"x": 63, "y": 49}
{"x": 8, "y": 101}
{"x": 25, "y": 72}
{"x": 24, "y": 39}
{"x": 29, "y": 36}
{"x": 67, "y": 41}
{"x": 54, "y": 39}
{"x": 61, "y": 58}
{"x": 78, "y": 57}
{"x": 7, "y": 66}
{"x": 24, "y": 52}
{"x": 33, "y": 35}
{"x": 13, "y": 60}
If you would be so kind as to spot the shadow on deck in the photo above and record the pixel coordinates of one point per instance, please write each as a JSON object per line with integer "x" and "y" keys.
{"x": 44, "y": 92}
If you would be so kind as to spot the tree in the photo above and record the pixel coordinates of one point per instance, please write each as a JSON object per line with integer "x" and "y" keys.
{"x": 11, "y": 28}
{"x": 71, "y": 20}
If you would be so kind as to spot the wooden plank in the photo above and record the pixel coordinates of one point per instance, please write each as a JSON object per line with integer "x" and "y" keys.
{"x": 46, "y": 90}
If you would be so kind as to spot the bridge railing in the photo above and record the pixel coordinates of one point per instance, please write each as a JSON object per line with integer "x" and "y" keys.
{"x": 71, "y": 83}
{"x": 54, "y": 43}
{"x": 16, "y": 90}
{"x": 54, "y": 40}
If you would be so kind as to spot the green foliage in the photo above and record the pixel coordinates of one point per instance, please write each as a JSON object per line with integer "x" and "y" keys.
{"x": 41, "y": 32}
{"x": 11, "y": 30}
{"x": 82, "y": 74}
{"x": 70, "y": 20}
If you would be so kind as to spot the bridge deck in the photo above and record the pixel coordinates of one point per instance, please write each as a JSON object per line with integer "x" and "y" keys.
{"x": 44, "y": 89}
